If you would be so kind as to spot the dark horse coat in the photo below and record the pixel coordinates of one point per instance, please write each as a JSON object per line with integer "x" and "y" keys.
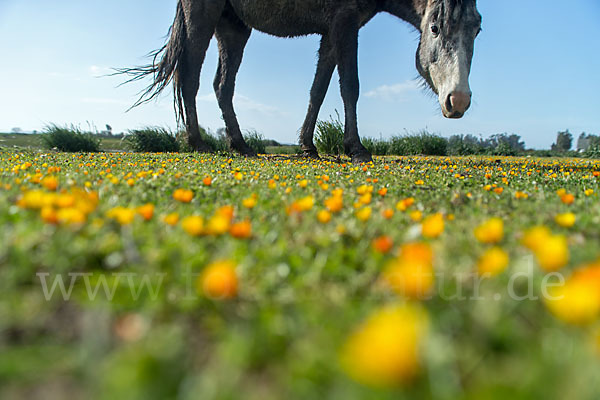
{"x": 448, "y": 29}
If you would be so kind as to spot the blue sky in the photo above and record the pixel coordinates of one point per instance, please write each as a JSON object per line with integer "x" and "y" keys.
{"x": 536, "y": 71}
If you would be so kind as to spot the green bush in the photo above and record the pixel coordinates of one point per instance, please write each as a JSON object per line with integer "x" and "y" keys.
{"x": 71, "y": 139}
{"x": 329, "y": 136}
{"x": 256, "y": 141}
{"x": 217, "y": 142}
{"x": 152, "y": 140}
{"x": 377, "y": 147}
{"x": 422, "y": 143}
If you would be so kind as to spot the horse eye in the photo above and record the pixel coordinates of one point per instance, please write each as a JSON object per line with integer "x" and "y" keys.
{"x": 435, "y": 30}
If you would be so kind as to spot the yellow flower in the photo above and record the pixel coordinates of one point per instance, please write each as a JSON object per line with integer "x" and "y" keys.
{"x": 250, "y": 202}
{"x": 384, "y": 350}
{"x": 416, "y": 215}
{"x": 171, "y": 219}
{"x": 578, "y": 300}
{"x": 402, "y": 205}
{"x": 493, "y": 262}
{"x": 491, "y": 231}
{"x": 193, "y": 225}
{"x": 364, "y": 214}
{"x": 70, "y": 216}
{"x": 219, "y": 280}
{"x": 411, "y": 274}
{"x": 566, "y": 220}
{"x": 218, "y": 224}
{"x": 534, "y": 237}
{"x": 303, "y": 204}
{"x": 123, "y": 215}
{"x": 552, "y": 253}
{"x": 324, "y": 216}
{"x": 433, "y": 226}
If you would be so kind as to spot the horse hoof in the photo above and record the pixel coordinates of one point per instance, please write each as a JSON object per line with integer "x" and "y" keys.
{"x": 361, "y": 158}
{"x": 311, "y": 154}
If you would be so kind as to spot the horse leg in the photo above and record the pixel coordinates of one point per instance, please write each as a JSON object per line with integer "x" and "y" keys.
{"x": 325, "y": 67}
{"x": 232, "y": 35}
{"x": 345, "y": 41}
{"x": 201, "y": 18}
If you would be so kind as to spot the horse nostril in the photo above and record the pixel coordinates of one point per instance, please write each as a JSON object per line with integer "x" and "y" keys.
{"x": 449, "y": 103}
{"x": 458, "y": 101}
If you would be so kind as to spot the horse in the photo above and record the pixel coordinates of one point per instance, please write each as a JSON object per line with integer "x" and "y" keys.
{"x": 447, "y": 29}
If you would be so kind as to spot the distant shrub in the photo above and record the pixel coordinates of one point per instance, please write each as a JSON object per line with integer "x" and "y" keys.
{"x": 592, "y": 152}
{"x": 256, "y": 141}
{"x": 329, "y": 136}
{"x": 152, "y": 140}
{"x": 377, "y": 147}
{"x": 70, "y": 139}
{"x": 422, "y": 143}
{"x": 217, "y": 142}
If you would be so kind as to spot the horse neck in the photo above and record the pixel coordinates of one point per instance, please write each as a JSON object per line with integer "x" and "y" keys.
{"x": 411, "y": 11}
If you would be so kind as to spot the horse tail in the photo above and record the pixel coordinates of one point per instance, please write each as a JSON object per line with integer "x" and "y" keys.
{"x": 164, "y": 66}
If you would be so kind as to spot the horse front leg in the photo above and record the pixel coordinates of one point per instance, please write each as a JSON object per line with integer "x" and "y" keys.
{"x": 325, "y": 67}
{"x": 345, "y": 42}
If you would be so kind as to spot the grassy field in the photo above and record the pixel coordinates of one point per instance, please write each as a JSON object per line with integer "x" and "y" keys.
{"x": 162, "y": 276}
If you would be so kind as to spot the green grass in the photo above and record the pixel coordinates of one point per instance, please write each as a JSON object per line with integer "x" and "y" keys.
{"x": 304, "y": 286}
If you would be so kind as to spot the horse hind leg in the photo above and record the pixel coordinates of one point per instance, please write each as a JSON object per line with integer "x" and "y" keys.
{"x": 232, "y": 35}
{"x": 200, "y": 19}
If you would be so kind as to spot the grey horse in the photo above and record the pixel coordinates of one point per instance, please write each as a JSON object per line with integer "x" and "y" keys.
{"x": 448, "y": 29}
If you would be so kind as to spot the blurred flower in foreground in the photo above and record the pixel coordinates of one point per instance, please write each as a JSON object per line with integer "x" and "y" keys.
{"x": 534, "y": 237}
{"x": 219, "y": 280}
{"x": 384, "y": 350}
{"x": 493, "y": 262}
{"x": 491, "y": 231}
{"x": 566, "y": 220}
{"x": 411, "y": 273}
{"x": 552, "y": 253}
{"x": 433, "y": 226}
{"x": 578, "y": 300}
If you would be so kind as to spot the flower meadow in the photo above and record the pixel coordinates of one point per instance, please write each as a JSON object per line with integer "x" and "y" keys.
{"x": 162, "y": 276}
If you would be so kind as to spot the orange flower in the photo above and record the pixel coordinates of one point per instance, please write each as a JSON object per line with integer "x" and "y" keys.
{"x": 334, "y": 203}
{"x": 183, "y": 195}
{"x": 383, "y": 244}
{"x": 382, "y": 192}
{"x": 50, "y": 183}
{"x": 207, "y": 181}
{"x": 416, "y": 215}
{"x": 218, "y": 224}
{"x": 567, "y": 198}
{"x": 433, "y": 226}
{"x": 498, "y": 190}
{"x": 146, "y": 211}
{"x": 49, "y": 215}
{"x": 388, "y": 213}
{"x": 241, "y": 230}
{"x": 219, "y": 281}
